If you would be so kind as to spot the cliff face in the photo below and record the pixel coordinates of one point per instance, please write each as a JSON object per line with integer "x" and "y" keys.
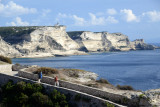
{"x": 54, "y": 40}
{"x": 102, "y": 41}
{"x": 47, "y": 40}
{"x": 7, "y": 50}
{"x": 140, "y": 45}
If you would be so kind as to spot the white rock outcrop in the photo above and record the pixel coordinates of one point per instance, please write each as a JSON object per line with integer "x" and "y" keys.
{"x": 154, "y": 96}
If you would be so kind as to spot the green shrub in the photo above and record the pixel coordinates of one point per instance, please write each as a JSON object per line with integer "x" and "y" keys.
{"x": 5, "y": 59}
{"x": 141, "y": 95}
{"x": 21, "y": 99}
{"x": 125, "y": 100}
{"x": 101, "y": 80}
{"x": 20, "y": 86}
{"x": 30, "y": 95}
{"x": 155, "y": 106}
{"x": 8, "y": 88}
{"x": 46, "y": 70}
{"x": 92, "y": 85}
{"x": 125, "y": 87}
{"x": 77, "y": 97}
{"x": 86, "y": 99}
{"x": 108, "y": 104}
{"x": 39, "y": 99}
{"x": 58, "y": 97}
{"x": 37, "y": 88}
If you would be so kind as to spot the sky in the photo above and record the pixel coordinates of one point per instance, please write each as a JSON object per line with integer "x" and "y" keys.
{"x": 135, "y": 18}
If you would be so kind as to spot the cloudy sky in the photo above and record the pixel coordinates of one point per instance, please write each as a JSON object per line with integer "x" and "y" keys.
{"x": 134, "y": 18}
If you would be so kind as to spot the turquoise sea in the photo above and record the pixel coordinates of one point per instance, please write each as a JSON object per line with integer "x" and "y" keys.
{"x": 140, "y": 69}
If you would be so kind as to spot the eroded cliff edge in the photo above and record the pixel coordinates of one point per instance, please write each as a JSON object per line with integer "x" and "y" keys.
{"x": 43, "y": 41}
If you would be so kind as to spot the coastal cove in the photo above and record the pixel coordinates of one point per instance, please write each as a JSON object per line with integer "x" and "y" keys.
{"x": 140, "y": 69}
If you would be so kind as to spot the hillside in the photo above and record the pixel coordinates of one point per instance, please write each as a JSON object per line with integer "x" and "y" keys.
{"x": 44, "y": 41}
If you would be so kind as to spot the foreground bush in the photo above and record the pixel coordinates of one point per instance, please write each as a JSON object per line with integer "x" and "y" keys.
{"x": 30, "y": 95}
{"x": 46, "y": 70}
{"x": 40, "y": 99}
{"x": 5, "y": 59}
{"x": 125, "y": 87}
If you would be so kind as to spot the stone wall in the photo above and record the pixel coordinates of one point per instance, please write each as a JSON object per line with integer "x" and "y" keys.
{"x": 91, "y": 100}
{"x": 5, "y": 68}
{"x": 85, "y": 89}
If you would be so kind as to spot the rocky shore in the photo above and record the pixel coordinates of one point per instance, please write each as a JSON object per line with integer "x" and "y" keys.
{"x": 149, "y": 97}
{"x": 46, "y": 41}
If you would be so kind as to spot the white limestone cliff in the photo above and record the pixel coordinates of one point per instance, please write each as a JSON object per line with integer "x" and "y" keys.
{"x": 104, "y": 41}
{"x": 7, "y": 50}
{"x": 48, "y": 41}
{"x": 54, "y": 40}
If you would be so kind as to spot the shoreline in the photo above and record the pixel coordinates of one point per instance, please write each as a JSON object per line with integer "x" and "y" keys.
{"x": 131, "y": 94}
{"x": 67, "y": 55}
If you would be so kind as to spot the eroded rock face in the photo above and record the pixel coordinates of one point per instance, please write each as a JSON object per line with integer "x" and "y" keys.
{"x": 139, "y": 44}
{"x": 102, "y": 41}
{"x": 154, "y": 96}
{"x": 54, "y": 40}
{"x": 8, "y": 50}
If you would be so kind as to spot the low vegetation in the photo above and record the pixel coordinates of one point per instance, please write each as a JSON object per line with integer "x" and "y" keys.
{"x": 78, "y": 97}
{"x": 125, "y": 87}
{"x": 72, "y": 72}
{"x": 30, "y": 95}
{"x": 5, "y": 59}
{"x": 141, "y": 95}
{"x": 104, "y": 81}
{"x": 15, "y": 35}
{"x": 46, "y": 70}
{"x": 108, "y": 104}
{"x": 92, "y": 85}
{"x": 75, "y": 70}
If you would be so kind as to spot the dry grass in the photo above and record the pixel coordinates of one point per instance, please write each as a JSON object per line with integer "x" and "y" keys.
{"x": 46, "y": 70}
{"x": 125, "y": 87}
{"x": 5, "y": 59}
{"x": 72, "y": 72}
{"x": 104, "y": 81}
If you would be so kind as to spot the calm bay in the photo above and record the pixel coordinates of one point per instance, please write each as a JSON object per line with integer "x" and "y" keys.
{"x": 140, "y": 69}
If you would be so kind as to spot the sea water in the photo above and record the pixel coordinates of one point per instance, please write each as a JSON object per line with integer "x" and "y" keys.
{"x": 140, "y": 69}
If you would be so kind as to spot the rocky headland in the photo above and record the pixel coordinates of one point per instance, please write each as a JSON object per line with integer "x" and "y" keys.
{"x": 45, "y": 41}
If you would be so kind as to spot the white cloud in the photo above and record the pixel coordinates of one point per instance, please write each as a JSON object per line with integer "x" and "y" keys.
{"x": 12, "y": 9}
{"x": 92, "y": 21}
{"x": 111, "y": 19}
{"x": 18, "y": 22}
{"x": 100, "y": 14}
{"x": 153, "y": 15}
{"x": 79, "y": 21}
{"x": 111, "y": 11}
{"x": 45, "y": 12}
{"x": 96, "y": 21}
{"x": 62, "y": 15}
{"x": 129, "y": 16}
{"x": 101, "y": 20}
